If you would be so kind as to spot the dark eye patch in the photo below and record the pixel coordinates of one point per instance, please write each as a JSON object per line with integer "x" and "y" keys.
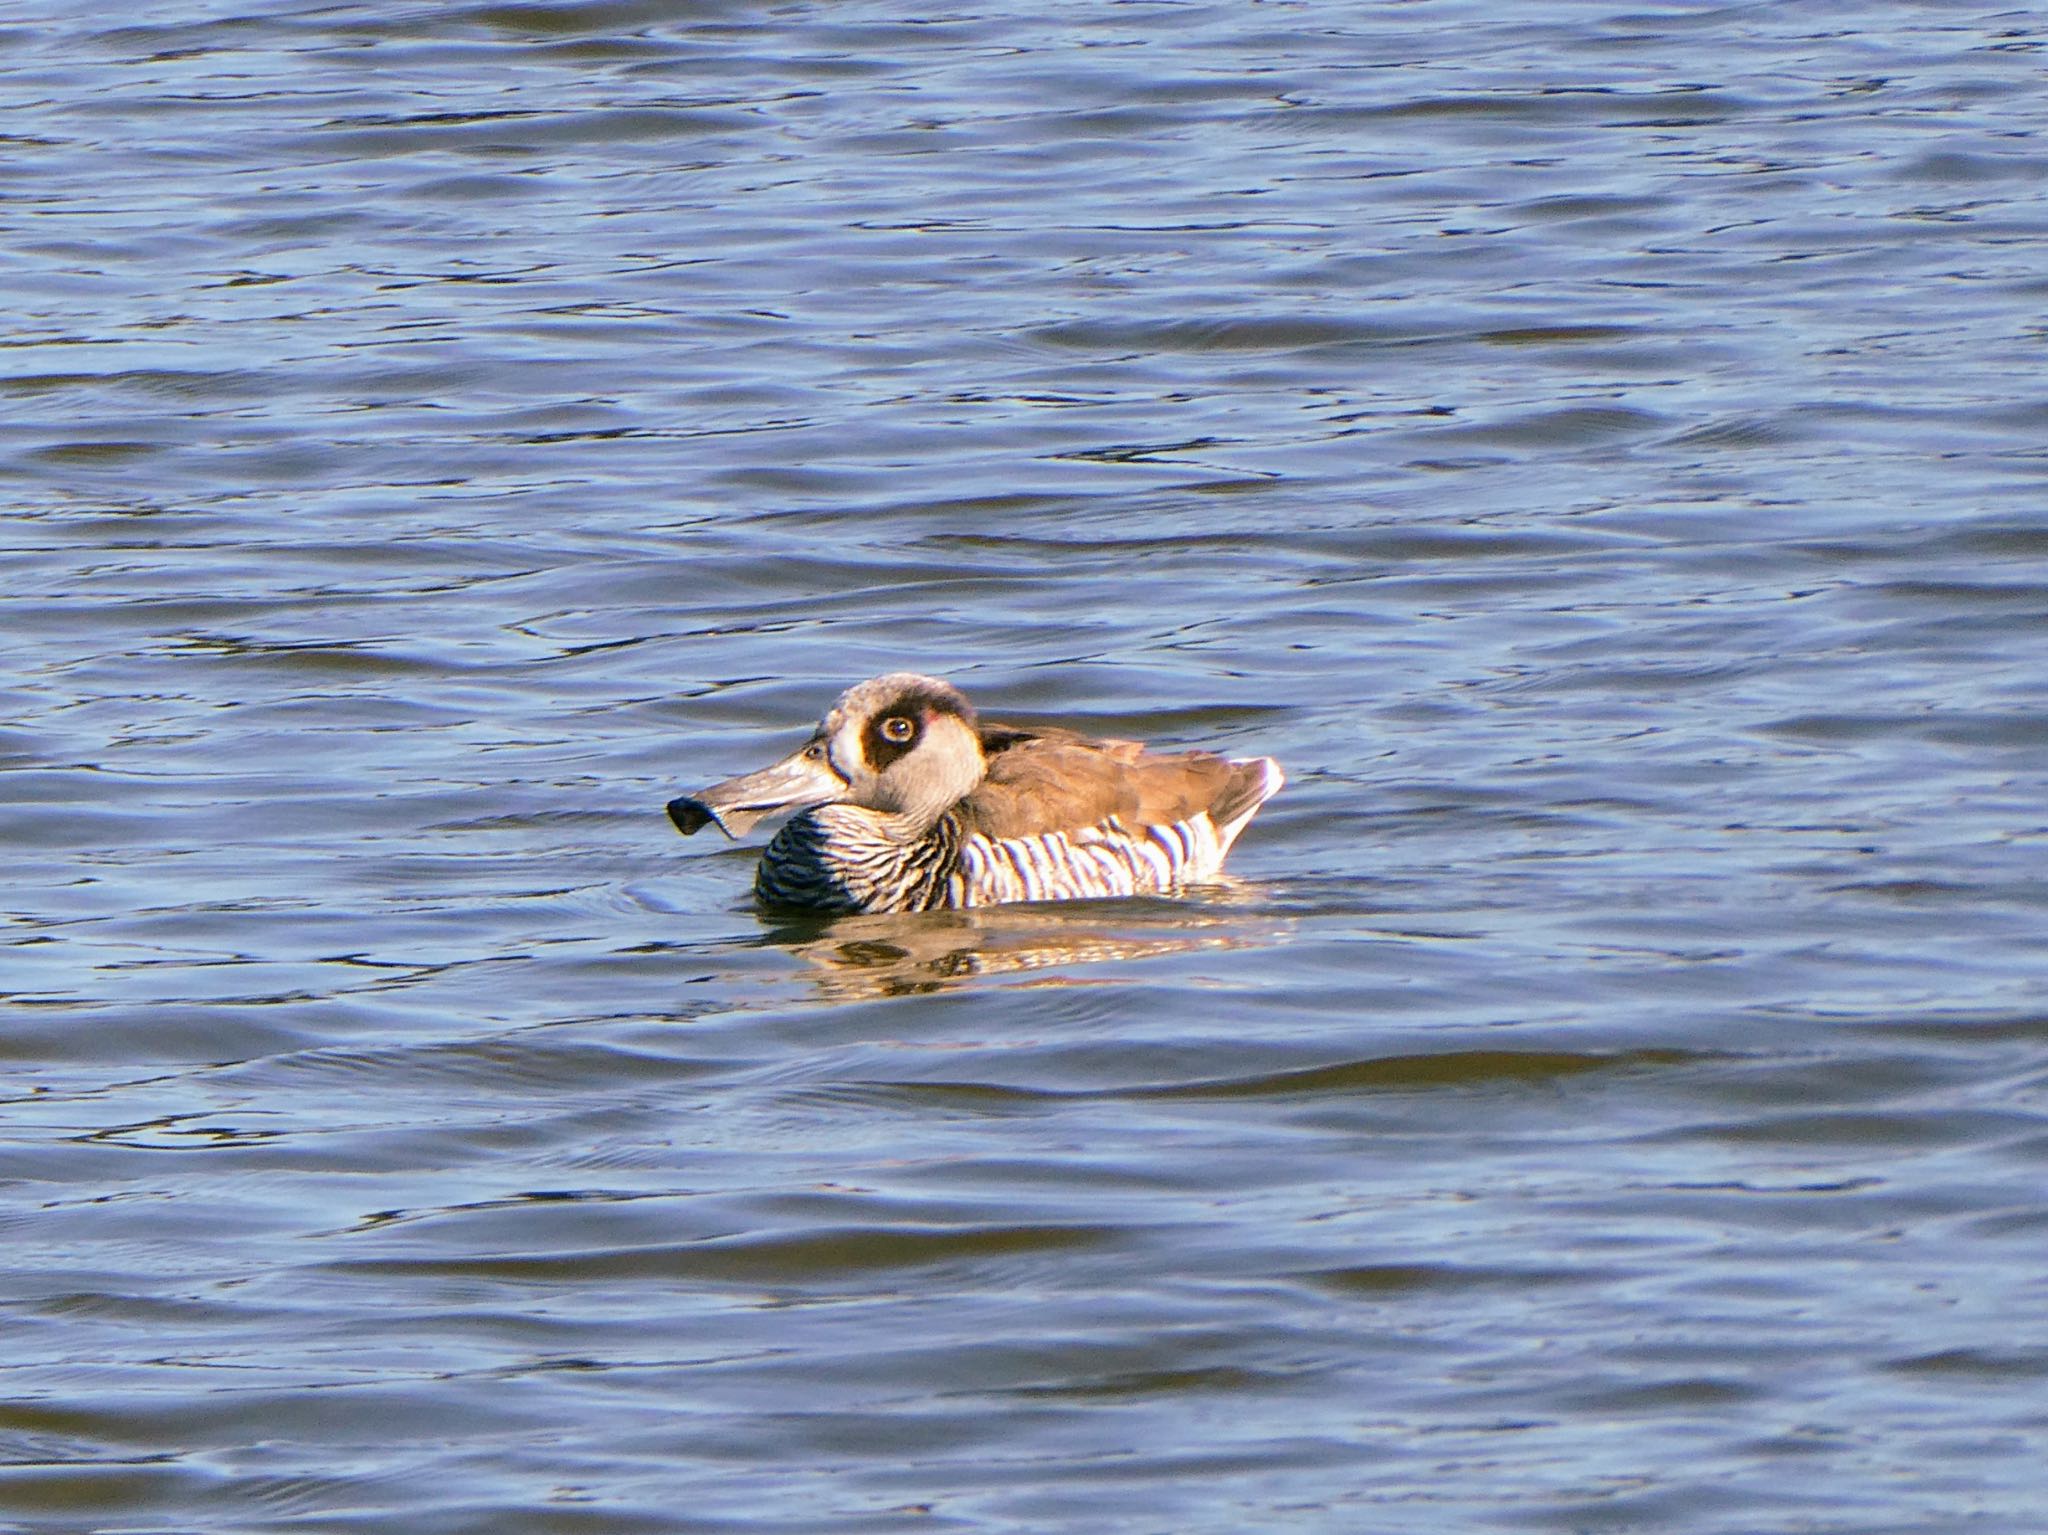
{"x": 920, "y": 706}
{"x": 880, "y": 746}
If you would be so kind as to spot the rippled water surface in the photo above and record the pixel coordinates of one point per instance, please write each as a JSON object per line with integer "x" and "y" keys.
{"x": 1600, "y": 450}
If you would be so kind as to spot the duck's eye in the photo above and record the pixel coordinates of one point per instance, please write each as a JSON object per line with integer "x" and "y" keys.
{"x": 897, "y": 728}
{"x": 815, "y": 752}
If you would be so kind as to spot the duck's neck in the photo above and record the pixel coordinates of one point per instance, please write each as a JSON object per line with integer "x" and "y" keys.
{"x": 902, "y": 828}
{"x": 882, "y": 861}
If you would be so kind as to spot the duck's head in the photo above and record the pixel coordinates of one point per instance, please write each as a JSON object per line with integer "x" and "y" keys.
{"x": 905, "y": 745}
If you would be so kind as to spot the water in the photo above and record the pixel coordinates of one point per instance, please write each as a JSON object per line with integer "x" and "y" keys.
{"x": 1599, "y": 450}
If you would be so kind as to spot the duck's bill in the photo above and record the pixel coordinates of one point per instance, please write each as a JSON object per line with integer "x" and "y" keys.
{"x": 738, "y": 804}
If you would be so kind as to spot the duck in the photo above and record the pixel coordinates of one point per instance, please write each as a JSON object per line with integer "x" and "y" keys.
{"x": 904, "y": 799}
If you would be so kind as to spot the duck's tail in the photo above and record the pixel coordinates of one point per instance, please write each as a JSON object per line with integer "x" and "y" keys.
{"x": 1254, "y": 781}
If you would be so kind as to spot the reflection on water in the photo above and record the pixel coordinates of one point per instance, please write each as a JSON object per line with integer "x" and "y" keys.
{"x": 902, "y": 953}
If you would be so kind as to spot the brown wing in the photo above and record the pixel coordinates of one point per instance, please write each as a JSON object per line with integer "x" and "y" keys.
{"x": 1053, "y": 780}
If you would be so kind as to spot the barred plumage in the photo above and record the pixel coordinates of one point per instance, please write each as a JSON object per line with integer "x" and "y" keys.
{"x": 913, "y": 804}
{"x": 1091, "y": 862}
{"x": 836, "y": 859}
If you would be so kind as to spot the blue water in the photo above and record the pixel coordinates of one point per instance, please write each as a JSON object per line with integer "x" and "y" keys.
{"x": 1599, "y": 451}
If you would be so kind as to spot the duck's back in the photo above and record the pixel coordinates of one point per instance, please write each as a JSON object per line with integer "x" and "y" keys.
{"x": 1061, "y": 816}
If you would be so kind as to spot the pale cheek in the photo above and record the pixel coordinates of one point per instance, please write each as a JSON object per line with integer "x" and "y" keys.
{"x": 847, "y": 755}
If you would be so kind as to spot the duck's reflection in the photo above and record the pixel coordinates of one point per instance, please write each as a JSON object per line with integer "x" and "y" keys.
{"x": 905, "y": 953}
